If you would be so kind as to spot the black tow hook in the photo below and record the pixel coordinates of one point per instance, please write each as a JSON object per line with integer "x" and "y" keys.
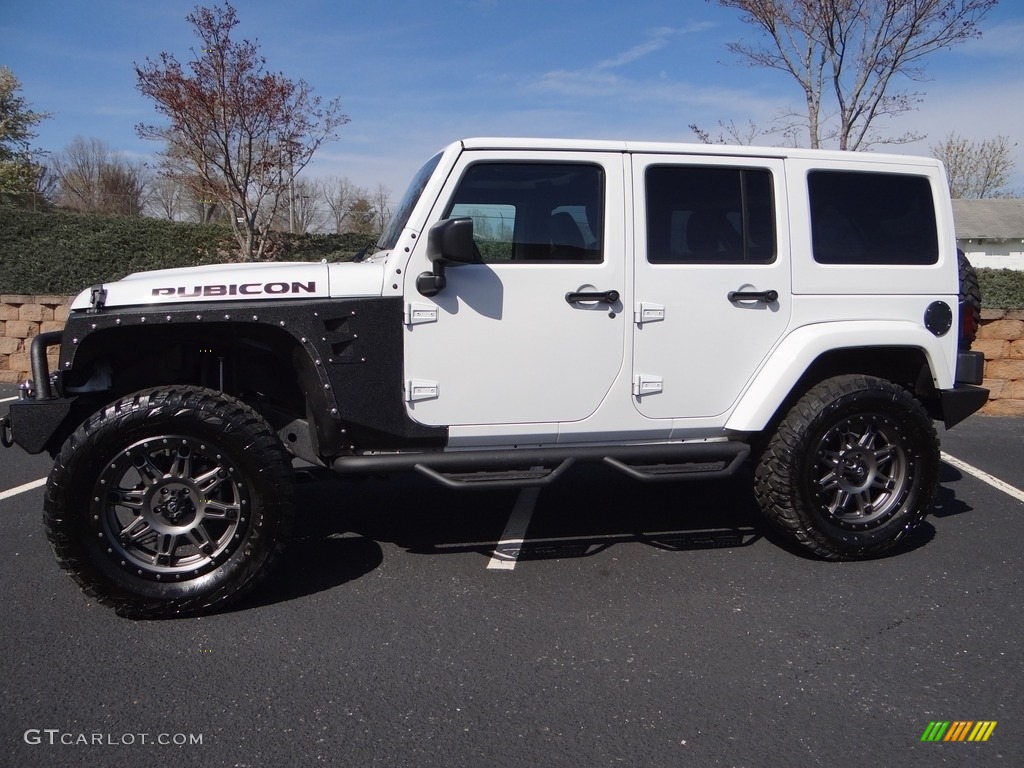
{"x": 6, "y": 437}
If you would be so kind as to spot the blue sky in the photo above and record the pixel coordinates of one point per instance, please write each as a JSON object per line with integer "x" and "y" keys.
{"x": 414, "y": 75}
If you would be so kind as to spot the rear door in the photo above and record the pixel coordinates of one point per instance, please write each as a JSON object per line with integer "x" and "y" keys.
{"x": 712, "y": 279}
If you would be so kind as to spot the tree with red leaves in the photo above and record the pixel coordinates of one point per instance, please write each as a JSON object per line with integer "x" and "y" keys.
{"x": 237, "y": 135}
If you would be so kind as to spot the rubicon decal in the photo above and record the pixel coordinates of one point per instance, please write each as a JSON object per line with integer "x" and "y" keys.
{"x": 958, "y": 730}
{"x": 239, "y": 289}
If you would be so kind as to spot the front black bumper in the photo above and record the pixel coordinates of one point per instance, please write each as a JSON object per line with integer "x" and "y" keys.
{"x": 35, "y": 422}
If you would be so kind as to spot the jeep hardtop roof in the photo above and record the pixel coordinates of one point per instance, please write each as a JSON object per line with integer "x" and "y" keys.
{"x": 711, "y": 150}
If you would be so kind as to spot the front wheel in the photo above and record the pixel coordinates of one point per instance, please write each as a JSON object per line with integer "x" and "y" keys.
{"x": 169, "y": 502}
{"x": 851, "y": 470}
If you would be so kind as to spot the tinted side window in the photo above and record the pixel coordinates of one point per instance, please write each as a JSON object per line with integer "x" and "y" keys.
{"x": 872, "y": 218}
{"x": 709, "y": 215}
{"x": 533, "y": 211}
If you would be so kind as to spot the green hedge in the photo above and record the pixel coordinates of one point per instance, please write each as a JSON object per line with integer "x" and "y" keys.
{"x": 62, "y": 253}
{"x": 1001, "y": 288}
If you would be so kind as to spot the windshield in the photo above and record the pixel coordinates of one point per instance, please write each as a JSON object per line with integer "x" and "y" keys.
{"x": 389, "y": 239}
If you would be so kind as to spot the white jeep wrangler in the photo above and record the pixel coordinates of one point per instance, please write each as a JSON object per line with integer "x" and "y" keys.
{"x": 669, "y": 310}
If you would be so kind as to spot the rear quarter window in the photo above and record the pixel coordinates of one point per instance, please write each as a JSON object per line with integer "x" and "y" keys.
{"x": 862, "y": 217}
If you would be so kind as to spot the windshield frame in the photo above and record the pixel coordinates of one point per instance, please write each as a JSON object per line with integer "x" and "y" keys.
{"x": 389, "y": 237}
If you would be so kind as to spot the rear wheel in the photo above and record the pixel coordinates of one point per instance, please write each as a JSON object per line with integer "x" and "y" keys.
{"x": 169, "y": 502}
{"x": 851, "y": 470}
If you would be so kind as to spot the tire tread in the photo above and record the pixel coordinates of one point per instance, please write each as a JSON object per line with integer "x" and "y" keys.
{"x": 775, "y": 478}
{"x": 232, "y": 417}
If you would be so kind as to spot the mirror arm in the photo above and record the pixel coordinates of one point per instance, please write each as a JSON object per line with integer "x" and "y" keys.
{"x": 432, "y": 283}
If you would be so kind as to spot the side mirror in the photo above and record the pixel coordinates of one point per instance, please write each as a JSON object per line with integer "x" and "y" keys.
{"x": 451, "y": 241}
{"x": 448, "y": 242}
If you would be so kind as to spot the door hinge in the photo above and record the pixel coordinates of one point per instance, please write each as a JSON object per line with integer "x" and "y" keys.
{"x": 647, "y": 312}
{"x": 644, "y": 384}
{"x": 415, "y": 314}
{"x": 419, "y": 389}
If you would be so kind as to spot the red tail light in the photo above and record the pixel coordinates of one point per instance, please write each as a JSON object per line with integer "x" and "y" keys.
{"x": 968, "y": 325}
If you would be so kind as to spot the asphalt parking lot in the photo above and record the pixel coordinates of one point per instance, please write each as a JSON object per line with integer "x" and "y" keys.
{"x": 637, "y": 625}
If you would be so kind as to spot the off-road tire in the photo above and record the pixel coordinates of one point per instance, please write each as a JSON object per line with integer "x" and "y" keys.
{"x": 169, "y": 502}
{"x": 851, "y": 469}
{"x": 970, "y": 298}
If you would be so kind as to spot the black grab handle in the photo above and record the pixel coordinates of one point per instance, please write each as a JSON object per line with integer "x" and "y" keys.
{"x": 766, "y": 296}
{"x": 604, "y": 297}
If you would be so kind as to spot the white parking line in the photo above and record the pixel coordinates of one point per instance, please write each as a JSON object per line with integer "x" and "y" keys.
{"x": 7, "y": 399}
{"x": 984, "y": 476}
{"x": 22, "y": 488}
{"x": 507, "y": 552}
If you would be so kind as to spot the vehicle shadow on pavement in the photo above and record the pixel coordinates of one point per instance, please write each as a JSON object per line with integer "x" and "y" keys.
{"x": 946, "y": 503}
{"x": 310, "y": 565}
{"x": 343, "y": 526}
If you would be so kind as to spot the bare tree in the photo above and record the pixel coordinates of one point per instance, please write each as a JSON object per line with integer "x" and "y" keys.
{"x": 46, "y": 186}
{"x": 381, "y": 207}
{"x": 731, "y": 133}
{"x": 94, "y": 179}
{"x": 339, "y": 194}
{"x": 304, "y": 210}
{"x": 362, "y": 217}
{"x": 976, "y": 169}
{"x": 311, "y": 211}
{"x": 237, "y": 134}
{"x": 848, "y": 55}
{"x": 167, "y": 199}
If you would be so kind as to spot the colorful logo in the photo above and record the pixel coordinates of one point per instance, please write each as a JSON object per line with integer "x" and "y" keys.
{"x": 959, "y": 730}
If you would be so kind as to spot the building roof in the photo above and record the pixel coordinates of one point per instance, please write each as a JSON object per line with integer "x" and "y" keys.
{"x": 991, "y": 219}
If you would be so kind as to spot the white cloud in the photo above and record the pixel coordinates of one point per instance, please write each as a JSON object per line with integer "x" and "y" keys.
{"x": 659, "y": 38}
{"x": 634, "y": 53}
{"x": 1002, "y": 40}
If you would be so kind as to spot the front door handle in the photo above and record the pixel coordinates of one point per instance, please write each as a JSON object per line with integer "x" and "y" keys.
{"x": 766, "y": 296}
{"x": 602, "y": 297}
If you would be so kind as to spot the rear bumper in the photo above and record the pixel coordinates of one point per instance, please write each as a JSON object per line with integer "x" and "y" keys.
{"x": 960, "y": 402}
{"x": 965, "y": 397}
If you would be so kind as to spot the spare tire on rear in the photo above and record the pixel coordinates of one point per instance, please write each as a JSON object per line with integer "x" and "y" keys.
{"x": 970, "y": 301}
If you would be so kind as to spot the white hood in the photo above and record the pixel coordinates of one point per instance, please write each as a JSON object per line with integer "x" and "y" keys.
{"x": 241, "y": 282}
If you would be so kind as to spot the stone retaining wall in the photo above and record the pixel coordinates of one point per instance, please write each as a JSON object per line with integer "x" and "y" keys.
{"x": 1001, "y": 338}
{"x": 21, "y": 318}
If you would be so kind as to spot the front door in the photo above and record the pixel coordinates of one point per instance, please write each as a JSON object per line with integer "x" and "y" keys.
{"x": 712, "y": 280}
{"x": 509, "y": 339}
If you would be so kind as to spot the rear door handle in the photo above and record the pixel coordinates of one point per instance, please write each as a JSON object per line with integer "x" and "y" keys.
{"x": 602, "y": 297}
{"x": 766, "y": 296}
